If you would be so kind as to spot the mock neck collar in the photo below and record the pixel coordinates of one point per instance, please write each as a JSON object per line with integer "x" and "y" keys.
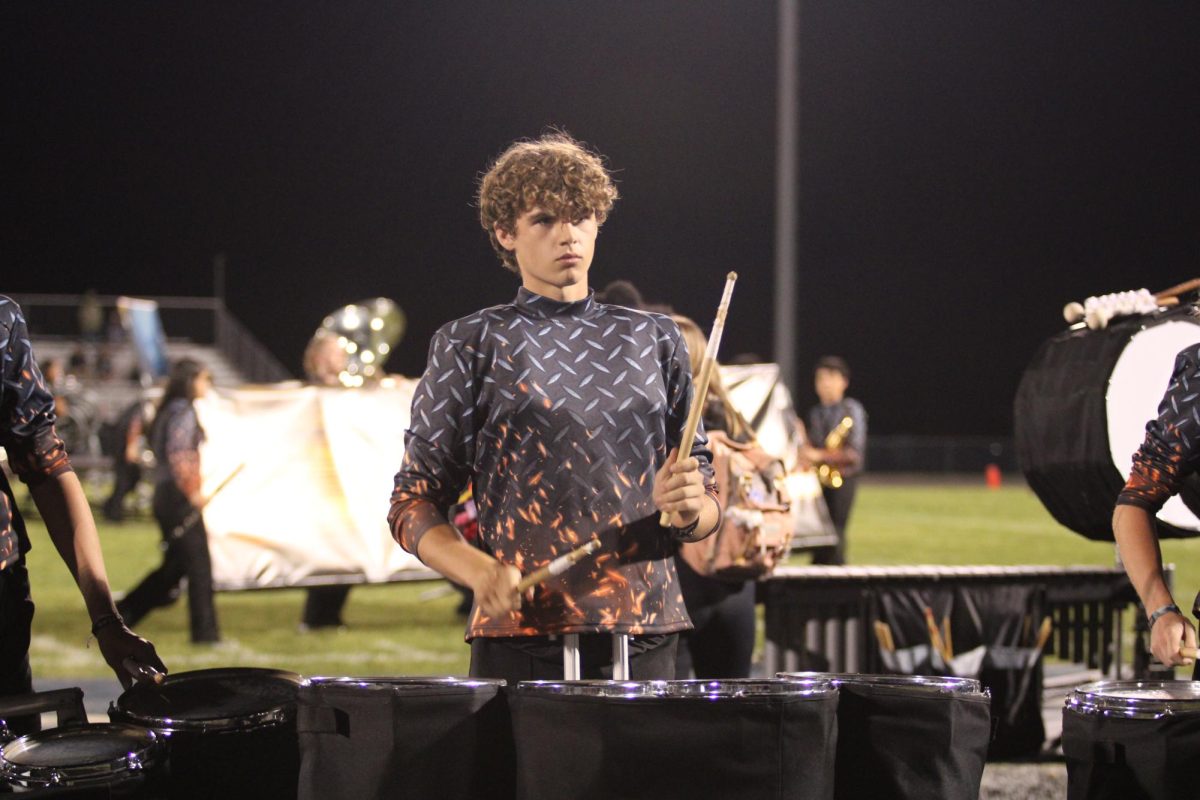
{"x": 542, "y": 307}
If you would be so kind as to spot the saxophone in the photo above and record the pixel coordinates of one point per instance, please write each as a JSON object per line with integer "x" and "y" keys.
{"x": 829, "y": 475}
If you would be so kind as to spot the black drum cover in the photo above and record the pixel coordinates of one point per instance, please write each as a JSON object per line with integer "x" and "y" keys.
{"x": 1119, "y": 756}
{"x": 443, "y": 738}
{"x": 1060, "y": 419}
{"x": 768, "y": 747}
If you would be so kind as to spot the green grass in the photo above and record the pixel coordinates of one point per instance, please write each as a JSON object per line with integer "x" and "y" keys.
{"x": 392, "y": 631}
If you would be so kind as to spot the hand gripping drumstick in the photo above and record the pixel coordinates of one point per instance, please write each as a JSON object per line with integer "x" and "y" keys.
{"x": 142, "y": 672}
{"x": 557, "y": 567}
{"x": 1188, "y": 652}
{"x": 700, "y": 386}
{"x": 194, "y": 514}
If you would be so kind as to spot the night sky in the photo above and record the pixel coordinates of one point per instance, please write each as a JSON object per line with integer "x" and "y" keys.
{"x": 966, "y": 168}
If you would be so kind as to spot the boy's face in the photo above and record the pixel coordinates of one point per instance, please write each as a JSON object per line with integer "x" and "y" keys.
{"x": 831, "y": 386}
{"x": 553, "y": 254}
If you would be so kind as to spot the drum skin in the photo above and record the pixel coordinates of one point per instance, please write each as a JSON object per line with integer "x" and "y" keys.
{"x": 1126, "y": 753}
{"x": 649, "y": 747}
{"x": 101, "y": 761}
{"x": 1060, "y": 418}
{"x": 229, "y": 733}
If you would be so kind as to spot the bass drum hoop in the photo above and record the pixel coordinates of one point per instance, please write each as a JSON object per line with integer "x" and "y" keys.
{"x": 276, "y": 715}
{"x": 131, "y": 764}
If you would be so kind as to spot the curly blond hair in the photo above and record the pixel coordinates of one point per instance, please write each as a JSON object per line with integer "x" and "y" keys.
{"x": 554, "y": 173}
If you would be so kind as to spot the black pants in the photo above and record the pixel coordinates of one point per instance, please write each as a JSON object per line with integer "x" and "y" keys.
{"x": 184, "y": 555}
{"x": 126, "y": 475}
{"x": 16, "y": 618}
{"x": 839, "y": 502}
{"x": 539, "y": 658}
{"x": 721, "y": 642}
{"x": 323, "y": 606}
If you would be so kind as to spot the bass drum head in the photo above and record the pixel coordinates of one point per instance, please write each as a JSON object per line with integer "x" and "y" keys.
{"x": 1081, "y": 411}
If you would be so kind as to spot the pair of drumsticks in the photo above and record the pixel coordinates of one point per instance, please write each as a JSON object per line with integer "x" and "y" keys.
{"x": 944, "y": 644}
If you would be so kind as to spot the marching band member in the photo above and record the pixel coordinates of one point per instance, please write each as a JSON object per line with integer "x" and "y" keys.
{"x": 1169, "y": 453}
{"x": 37, "y": 456}
{"x": 565, "y": 413}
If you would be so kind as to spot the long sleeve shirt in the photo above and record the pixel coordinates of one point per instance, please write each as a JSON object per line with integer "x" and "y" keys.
{"x": 1171, "y": 449}
{"x": 35, "y": 452}
{"x": 560, "y": 414}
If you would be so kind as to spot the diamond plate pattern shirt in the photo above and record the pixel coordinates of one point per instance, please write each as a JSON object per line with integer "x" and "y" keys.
{"x": 560, "y": 414}
{"x": 26, "y": 426}
{"x": 1171, "y": 449}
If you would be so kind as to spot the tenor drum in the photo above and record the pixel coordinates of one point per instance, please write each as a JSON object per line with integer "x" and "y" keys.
{"x": 228, "y": 732}
{"x": 86, "y": 760}
{"x": 909, "y": 737}
{"x": 447, "y": 738}
{"x": 1081, "y": 411}
{"x": 653, "y": 739}
{"x": 1133, "y": 740}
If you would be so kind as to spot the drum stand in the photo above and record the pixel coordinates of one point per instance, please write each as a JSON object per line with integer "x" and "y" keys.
{"x": 620, "y": 657}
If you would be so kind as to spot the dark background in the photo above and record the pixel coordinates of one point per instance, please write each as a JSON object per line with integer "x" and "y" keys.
{"x": 966, "y": 168}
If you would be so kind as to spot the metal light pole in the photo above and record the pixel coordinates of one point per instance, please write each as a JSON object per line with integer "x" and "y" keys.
{"x": 787, "y": 190}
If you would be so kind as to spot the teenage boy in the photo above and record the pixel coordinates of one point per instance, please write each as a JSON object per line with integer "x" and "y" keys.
{"x": 565, "y": 415}
{"x": 831, "y": 378}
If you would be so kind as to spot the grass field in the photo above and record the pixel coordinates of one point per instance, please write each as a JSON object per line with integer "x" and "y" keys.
{"x": 393, "y": 631}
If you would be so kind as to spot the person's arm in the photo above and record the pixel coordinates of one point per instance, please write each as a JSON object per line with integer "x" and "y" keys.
{"x": 1170, "y": 448}
{"x": 181, "y": 444}
{"x": 64, "y": 509}
{"x": 38, "y": 457}
{"x": 1133, "y": 528}
{"x": 432, "y": 475}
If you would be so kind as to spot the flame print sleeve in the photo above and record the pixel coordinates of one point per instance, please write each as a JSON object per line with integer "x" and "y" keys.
{"x": 1171, "y": 448}
{"x": 26, "y": 405}
{"x": 436, "y": 445}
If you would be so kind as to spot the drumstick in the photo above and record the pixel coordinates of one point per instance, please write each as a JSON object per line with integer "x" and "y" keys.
{"x": 142, "y": 672}
{"x": 946, "y": 635}
{"x": 935, "y": 637}
{"x": 883, "y": 633}
{"x": 700, "y": 385}
{"x": 1188, "y": 652}
{"x": 1178, "y": 289}
{"x": 1044, "y": 633}
{"x": 194, "y": 514}
{"x": 558, "y": 566}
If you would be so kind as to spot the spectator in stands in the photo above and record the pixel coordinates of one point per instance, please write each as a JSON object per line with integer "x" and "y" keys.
{"x": 37, "y": 456}
{"x": 1169, "y": 453}
{"x": 175, "y": 437}
{"x": 843, "y": 455}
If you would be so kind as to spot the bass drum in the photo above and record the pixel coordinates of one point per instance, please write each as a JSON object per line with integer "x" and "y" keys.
{"x": 1081, "y": 412}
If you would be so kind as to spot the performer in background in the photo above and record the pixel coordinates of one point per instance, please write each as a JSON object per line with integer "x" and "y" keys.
{"x": 175, "y": 437}
{"x": 129, "y": 437}
{"x": 324, "y": 360}
{"x": 36, "y": 455}
{"x": 831, "y": 378}
{"x": 565, "y": 414}
{"x": 1169, "y": 453}
{"x": 721, "y": 644}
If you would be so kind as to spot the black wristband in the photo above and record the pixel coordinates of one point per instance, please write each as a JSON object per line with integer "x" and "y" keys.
{"x": 105, "y": 620}
{"x": 1169, "y": 608}
{"x": 686, "y": 532}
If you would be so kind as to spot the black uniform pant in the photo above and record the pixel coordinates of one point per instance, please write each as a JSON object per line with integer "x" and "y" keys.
{"x": 721, "y": 641}
{"x": 185, "y": 554}
{"x": 16, "y": 619}
{"x": 539, "y": 658}
{"x": 126, "y": 475}
{"x": 839, "y": 502}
